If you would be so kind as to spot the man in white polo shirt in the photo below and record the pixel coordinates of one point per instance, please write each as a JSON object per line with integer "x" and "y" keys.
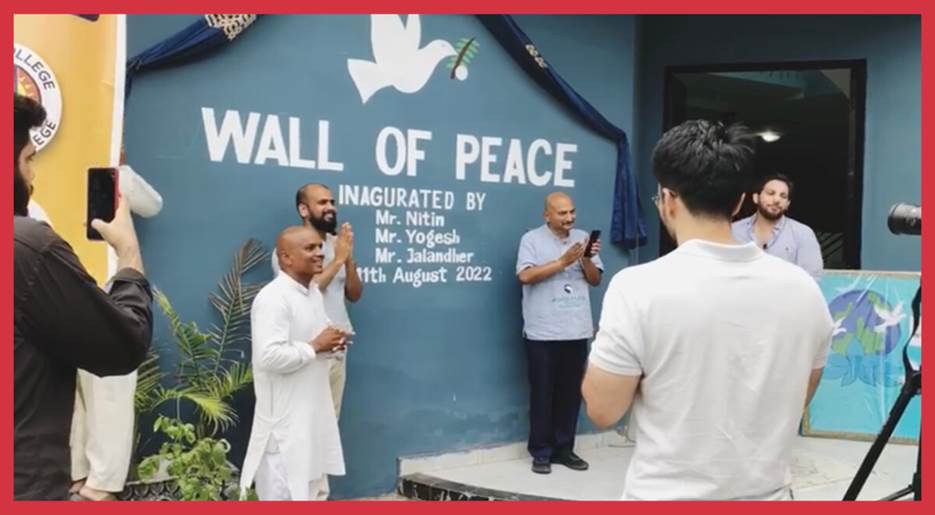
{"x": 717, "y": 345}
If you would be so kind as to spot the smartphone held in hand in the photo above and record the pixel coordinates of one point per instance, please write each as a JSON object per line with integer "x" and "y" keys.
{"x": 595, "y": 234}
{"x": 102, "y": 198}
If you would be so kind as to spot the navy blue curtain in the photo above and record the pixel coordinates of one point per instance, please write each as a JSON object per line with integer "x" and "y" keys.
{"x": 192, "y": 42}
{"x": 627, "y": 228}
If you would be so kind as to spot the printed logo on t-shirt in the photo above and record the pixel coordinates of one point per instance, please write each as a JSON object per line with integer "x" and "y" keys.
{"x": 567, "y": 300}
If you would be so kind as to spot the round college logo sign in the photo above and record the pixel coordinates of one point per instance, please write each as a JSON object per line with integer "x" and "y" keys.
{"x": 33, "y": 78}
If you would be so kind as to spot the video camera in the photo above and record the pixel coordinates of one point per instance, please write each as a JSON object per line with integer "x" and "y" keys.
{"x": 903, "y": 219}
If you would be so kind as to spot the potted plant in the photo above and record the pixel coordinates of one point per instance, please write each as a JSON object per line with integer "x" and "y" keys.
{"x": 198, "y": 465}
{"x": 212, "y": 367}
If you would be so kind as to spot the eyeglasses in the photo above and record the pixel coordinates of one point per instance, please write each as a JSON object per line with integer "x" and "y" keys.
{"x": 656, "y": 197}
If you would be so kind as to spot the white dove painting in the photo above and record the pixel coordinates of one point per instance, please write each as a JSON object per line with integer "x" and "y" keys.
{"x": 837, "y": 327}
{"x": 398, "y": 60}
{"x": 888, "y": 318}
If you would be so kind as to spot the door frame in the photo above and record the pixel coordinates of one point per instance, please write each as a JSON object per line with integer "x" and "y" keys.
{"x": 856, "y": 132}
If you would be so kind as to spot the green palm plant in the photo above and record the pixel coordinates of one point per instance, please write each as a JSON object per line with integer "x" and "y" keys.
{"x": 211, "y": 368}
{"x": 148, "y": 377}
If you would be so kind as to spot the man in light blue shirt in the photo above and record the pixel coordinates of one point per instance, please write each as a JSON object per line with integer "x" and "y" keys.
{"x": 776, "y": 233}
{"x": 556, "y": 276}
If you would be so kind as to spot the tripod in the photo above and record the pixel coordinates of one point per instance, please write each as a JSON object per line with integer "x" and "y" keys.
{"x": 911, "y": 387}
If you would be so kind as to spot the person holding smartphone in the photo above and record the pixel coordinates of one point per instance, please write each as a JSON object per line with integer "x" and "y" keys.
{"x": 557, "y": 265}
{"x": 63, "y": 321}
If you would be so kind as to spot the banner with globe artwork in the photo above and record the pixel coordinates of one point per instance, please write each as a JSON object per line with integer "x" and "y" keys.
{"x": 872, "y": 312}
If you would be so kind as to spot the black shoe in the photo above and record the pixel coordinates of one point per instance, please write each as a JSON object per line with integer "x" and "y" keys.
{"x": 541, "y": 466}
{"x": 571, "y": 460}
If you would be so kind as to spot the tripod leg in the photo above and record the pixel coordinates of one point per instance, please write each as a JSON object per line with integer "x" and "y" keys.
{"x": 905, "y": 395}
{"x": 916, "y": 487}
{"x": 898, "y": 495}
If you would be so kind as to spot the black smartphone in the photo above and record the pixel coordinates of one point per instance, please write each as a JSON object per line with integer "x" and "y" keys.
{"x": 102, "y": 197}
{"x": 595, "y": 234}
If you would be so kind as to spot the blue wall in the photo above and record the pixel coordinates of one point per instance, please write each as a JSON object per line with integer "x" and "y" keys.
{"x": 892, "y": 151}
{"x": 441, "y": 367}
{"x": 434, "y": 368}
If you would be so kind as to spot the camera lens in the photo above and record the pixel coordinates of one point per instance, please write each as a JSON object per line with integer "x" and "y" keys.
{"x": 905, "y": 219}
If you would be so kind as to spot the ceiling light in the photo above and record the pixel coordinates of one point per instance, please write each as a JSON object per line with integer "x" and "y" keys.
{"x": 769, "y": 136}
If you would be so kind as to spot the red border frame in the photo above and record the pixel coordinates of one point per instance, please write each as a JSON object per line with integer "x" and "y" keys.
{"x": 923, "y": 7}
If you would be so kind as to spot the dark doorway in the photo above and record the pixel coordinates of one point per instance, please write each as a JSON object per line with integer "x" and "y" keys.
{"x": 809, "y": 117}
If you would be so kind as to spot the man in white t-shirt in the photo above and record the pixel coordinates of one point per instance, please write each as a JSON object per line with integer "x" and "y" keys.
{"x": 718, "y": 346}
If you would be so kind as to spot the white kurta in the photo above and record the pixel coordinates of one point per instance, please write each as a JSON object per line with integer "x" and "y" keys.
{"x": 293, "y": 397}
{"x": 102, "y": 430}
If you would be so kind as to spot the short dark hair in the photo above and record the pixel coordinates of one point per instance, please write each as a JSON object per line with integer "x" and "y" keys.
{"x": 775, "y": 177}
{"x": 707, "y": 164}
{"x": 301, "y": 197}
{"x": 27, "y": 113}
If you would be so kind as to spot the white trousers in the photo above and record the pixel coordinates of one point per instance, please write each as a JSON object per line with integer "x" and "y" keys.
{"x": 272, "y": 485}
{"x": 102, "y": 430}
{"x": 337, "y": 374}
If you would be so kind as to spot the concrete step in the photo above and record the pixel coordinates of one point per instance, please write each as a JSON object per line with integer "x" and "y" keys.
{"x": 426, "y": 487}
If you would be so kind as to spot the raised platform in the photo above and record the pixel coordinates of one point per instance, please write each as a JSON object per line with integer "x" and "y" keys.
{"x": 822, "y": 470}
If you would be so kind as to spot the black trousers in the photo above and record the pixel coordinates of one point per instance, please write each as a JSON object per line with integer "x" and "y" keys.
{"x": 556, "y": 369}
